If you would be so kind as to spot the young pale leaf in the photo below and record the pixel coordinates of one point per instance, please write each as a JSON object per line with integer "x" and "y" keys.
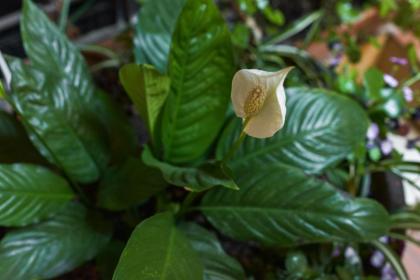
{"x": 198, "y": 178}
{"x": 128, "y": 185}
{"x": 15, "y": 145}
{"x": 29, "y": 193}
{"x": 158, "y": 250}
{"x": 217, "y": 264}
{"x": 201, "y": 69}
{"x": 147, "y": 89}
{"x": 51, "y": 248}
{"x": 321, "y": 129}
{"x": 282, "y": 206}
{"x": 65, "y": 133}
{"x": 156, "y": 23}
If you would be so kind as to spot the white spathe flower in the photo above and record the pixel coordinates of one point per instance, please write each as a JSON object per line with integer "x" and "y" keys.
{"x": 259, "y": 98}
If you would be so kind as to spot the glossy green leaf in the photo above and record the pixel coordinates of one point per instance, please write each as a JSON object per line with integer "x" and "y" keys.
{"x": 158, "y": 250}
{"x": 58, "y": 125}
{"x": 198, "y": 178}
{"x": 128, "y": 185}
{"x": 147, "y": 89}
{"x": 50, "y": 51}
{"x": 30, "y": 193}
{"x": 282, "y": 206}
{"x": 217, "y": 264}
{"x": 104, "y": 130}
{"x": 15, "y": 145}
{"x": 53, "y": 247}
{"x": 153, "y": 33}
{"x": 201, "y": 69}
{"x": 321, "y": 129}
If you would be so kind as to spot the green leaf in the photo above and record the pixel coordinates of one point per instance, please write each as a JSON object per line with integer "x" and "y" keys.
{"x": 201, "y": 69}
{"x": 282, "y": 206}
{"x": 51, "y": 248}
{"x": 156, "y": 23}
{"x": 110, "y": 136}
{"x": 60, "y": 128}
{"x": 30, "y": 193}
{"x": 158, "y": 250}
{"x": 321, "y": 129}
{"x": 128, "y": 185}
{"x": 373, "y": 80}
{"x": 295, "y": 28}
{"x": 217, "y": 264}
{"x": 50, "y": 51}
{"x": 199, "y": 178}
{"x": 15, "y": 145}
{"x": 147, "y": 89}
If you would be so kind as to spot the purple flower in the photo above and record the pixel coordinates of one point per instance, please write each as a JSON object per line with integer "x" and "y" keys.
{"x": 373, "y": 131}
{"x": 386, "y": 147}
{"x": 398, "y": 60}
{"x": 384, "y": 239}
{"x": 351, "y": 255}
{"x": 336, "y": 252}
{"x": 388, "y": 273}
{"x": 335, "y": 61}
{"x": 377, "y": 259}
{"x": 390, "y": 80}
{"x": 408, "y": 94}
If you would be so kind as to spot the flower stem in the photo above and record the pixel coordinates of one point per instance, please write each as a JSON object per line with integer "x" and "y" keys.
{"x": 237, "y": 143}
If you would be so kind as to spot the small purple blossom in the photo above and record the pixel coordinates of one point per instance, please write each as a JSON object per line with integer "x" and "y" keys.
{"x": 398, "y": 60}
{"x": 408, "y": 94}
{"x": 335, "y": 61}
{"x": 384, "y": 239}
{"x": 377, "y": 259}
{"x": 373, "y": 131}
{"x": 388, "y": 272}
{"x": 390, "y": 80}
{"x": 386, "y": 147}
{"x": 336, "y": 252}
{"x": 351, "y": 255}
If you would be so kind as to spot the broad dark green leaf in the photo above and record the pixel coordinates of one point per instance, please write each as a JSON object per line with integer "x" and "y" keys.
{"x": 30, "y": 193}
{"x": 282, "y": 206}
{"x": 198, "y": 178}
{"x": 51, "y": 248}
{"x": 128, "y": 185}
{"x": 15, "y": 145}
{"x": 50, "y": 51}
{"x": 217, "y": 264}
{"x": 147, "y": 89}
{"x": 156, "y": 23}
{"x": 158, "y": 250}
{"x": 321, "y": 129}
{"x": 201, "y": 69}
{"x": 61, "y": 129}
{"x": 110, "y": 136}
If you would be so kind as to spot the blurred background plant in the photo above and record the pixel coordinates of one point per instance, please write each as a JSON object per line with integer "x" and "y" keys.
{"x": 365, "y": 50}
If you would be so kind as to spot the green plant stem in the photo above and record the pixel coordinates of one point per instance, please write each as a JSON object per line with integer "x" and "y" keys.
{"x": 62, "y": 23}
{"x": 77, "y": 189}
{"x": 188, "y": 201}
{"x": 237, "y": 143}
{"x": 412, "y": 80}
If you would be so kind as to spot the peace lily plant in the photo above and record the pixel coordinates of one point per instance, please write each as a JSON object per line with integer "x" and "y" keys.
{"x": 188, "y": 200}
